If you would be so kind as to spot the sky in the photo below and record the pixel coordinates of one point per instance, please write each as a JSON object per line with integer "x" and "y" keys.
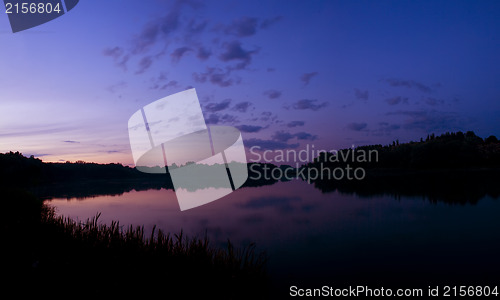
{"x": 287, "y": 74}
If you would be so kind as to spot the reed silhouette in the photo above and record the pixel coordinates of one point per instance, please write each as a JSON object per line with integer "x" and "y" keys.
{"x": 89, "y": 258}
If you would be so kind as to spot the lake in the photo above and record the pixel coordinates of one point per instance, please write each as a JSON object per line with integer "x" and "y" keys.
{"x": 313, "y": 237}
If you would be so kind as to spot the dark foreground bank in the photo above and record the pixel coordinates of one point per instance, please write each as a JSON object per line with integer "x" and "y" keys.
{"x": 46, "y": 254}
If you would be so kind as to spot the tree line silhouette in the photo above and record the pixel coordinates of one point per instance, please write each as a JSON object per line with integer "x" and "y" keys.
{"x": 454, "y": 167}
{"x": 449, "y": 150}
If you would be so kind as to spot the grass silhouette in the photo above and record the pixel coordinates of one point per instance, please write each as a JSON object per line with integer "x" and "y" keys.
{"x": 89, "y": 257}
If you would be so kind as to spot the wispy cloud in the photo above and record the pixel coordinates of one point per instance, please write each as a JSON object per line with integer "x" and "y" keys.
{"x": 117, "y": 86}
{"x": 309, "y": 104}
{"x": 266, "y": 23}
{"x": 159, "y": 33}
{"x": 214, "y": 107}
{"x": 178, "y": 53}
{"x": 242, "y": 106}
{"x": 216, "y": 118}
{"x": 114, "y": 52}
{"x": 267, "y": 116}
{"x": 269, "y": 144}
{"x": 431, "y": 120}
{"x": 306, "y": 77}
{"x": 284, "y": 136}
{"x": 144, "y": 64}
{"x": 305, "y": 136}
{"x": 233, "y": 51}
{"x": 295, "y": 124}
{"x": 361, "y": 95}
{"x": 215, "y": 76}
{"x": 250, "y": 128}
{"x": 433, "y": 101}
{"x": 272, "y": 94}
{"x": 384, "y": 128}
{"x": 396, "y": 100}
{"x": 357, "y": 126}
{"x": 203, "y": 53}
{"x": 242, "y": 27}
{"x": 412, "y": 84}
{"x": 248, "y": 26}
{"x": 41, "y": 130}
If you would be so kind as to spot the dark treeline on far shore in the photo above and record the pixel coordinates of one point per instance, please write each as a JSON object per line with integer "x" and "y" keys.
{"x": 449, "y": 150}
{"x": 84, "y": 179}
{"x": 20, "y": 170}
{"x": 453, "y": 167}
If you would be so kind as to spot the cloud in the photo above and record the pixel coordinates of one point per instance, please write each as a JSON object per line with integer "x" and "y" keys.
{"x": 268, "y": 116}
{"x": 431, "y": 120}
{"x": 216, "y": 118}
{"x": 38, "y": 154}
{"x": 195, "y": 27}
{"x": 214, "y": 107}
{"x": 161, "y": 31}
{"x": 147, "y": 37}
{"x": 306, "y": 77}
{"x": 361, "y": 95}
{"x": 171, "y": 83}
{"x": 212, "y": 119}
{"x": 178, "y": 53}
{"x": 234, "y": 52}
{"x": 144, "y": 64}
{"x": 123, "y": 62}
{"x": 242, "y": 106}
{"x": 163, "y": 27}
{"x": 203, "y": 53}
{"x": 284, "y": 136}
{"x": 161, "y": 82}
{"x": 433, "y": 101}
{"x": 27, "y": 130}
{"x": 268, "y": 22}
{"x": 114, "y": 52}
{"x": 242, "y": 27}
{"x": 309, "y": 104}
{"x": 71, "y": 142}
{"x": 385, "y": 129}
{"x": 250, "y": 128}
{"x": 305, "y": 136}
{"x": 117, "y": 86}
{"x": 295, "y": 124}
{"x": 396, "y": 100}
{"x": 272, "y": 94}
{"x": 357, "y": 126}
{"x": 247, "y": 26}
{"x": 268, "y": 144}
{"x": 411, "y": 84}
{"x": 215, "y": 76}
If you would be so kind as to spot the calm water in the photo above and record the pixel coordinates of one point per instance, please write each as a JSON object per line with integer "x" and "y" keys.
{"x": 313, "y": 237}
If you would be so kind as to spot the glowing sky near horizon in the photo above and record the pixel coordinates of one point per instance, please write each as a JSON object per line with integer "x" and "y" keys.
{"x": 286, "y": 73}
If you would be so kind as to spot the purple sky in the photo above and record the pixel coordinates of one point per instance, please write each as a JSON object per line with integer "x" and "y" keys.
{"x": 287, "y": 73}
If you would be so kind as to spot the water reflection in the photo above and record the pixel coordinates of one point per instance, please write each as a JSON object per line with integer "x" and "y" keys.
{"x": 313, "y": 237}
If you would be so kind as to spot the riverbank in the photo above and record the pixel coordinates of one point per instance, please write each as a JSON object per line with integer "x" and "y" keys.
{"x": 43, "y": 250}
